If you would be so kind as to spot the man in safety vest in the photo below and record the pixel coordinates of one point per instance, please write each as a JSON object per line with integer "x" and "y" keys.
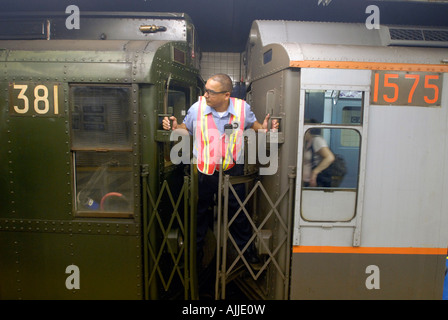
{"x": 208, "y": 121}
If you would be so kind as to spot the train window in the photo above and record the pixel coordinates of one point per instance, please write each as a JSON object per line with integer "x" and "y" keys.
{"x": 179, "y": 56}
{"x": 267, "y": 56}
{"x": 178, "y": 101}
{"x": 100, "y": 117}
{"x": 102, "y": 150}
{"x": 104, "y": 183}
{"x": 350, "y": 115}
{"x": 334, "y": 106}
{"x": 331, "y": 195}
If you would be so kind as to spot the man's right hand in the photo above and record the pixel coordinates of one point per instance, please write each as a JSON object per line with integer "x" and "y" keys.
{"x": 166, "y": 123}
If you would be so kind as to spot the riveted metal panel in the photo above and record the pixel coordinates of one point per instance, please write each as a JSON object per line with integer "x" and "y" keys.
{"x": 94, "y": 227}
{"x": 113, "y": 29}
{"x": 34, "y": 266}
{"x": 38, "y": 151}
{"x": 95, "y": 25}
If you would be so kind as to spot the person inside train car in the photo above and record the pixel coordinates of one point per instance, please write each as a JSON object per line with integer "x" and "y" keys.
{"x": 214, "y": 111}
{"x": 316, "y": 158}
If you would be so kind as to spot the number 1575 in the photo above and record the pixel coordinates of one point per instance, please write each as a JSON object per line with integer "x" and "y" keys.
{"x": 401, "y": 88}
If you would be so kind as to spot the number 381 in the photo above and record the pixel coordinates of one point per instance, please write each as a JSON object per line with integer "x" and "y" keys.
{"x": 40, "y": 97}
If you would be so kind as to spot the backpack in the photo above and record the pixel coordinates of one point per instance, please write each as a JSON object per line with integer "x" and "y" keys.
{"x": 333, "y": 175}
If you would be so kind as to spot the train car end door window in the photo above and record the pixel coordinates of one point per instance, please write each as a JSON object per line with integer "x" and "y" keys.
{"x": 102, "y": 150}
{"x": 331, "y": 155}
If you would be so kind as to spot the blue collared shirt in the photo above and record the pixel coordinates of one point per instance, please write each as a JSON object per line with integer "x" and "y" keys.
{"x": 192, "y": 116}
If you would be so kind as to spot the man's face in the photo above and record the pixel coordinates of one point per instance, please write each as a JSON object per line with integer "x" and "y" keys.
{"x": 215, "y": 94}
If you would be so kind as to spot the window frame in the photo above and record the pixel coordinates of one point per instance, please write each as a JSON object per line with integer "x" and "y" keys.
{"x": 327, "y": 190}
{"x": 131, "y": 150}
{"x": 361, "y": 129}
{"x": 332, "y": 79}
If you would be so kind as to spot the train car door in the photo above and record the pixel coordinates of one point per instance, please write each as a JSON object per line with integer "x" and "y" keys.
{"x": 333, "y": 114}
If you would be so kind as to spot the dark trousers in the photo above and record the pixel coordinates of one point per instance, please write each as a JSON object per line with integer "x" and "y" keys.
{"x": 207, "y": 188}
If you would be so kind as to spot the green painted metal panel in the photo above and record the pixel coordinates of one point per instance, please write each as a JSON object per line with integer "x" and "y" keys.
{"x": 39, "y": 164}
{"x": 34, "y": 266}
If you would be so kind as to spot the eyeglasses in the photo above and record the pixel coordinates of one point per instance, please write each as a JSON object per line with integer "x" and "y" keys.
{"x": 211, "y": 92}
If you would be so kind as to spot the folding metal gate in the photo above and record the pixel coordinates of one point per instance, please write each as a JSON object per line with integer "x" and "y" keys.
{"x": 277, "y": 258}
{"x": 167, "y": 267}
{"x": 169, "y": 245}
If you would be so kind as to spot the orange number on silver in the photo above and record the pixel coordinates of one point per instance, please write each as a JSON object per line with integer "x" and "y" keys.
{"x": 431, "y": 86}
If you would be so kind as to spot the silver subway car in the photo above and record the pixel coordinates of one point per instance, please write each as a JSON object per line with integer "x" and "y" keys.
{"x": 379, "y": 100}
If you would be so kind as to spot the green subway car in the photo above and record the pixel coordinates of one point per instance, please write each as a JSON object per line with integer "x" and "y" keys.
{"x": 92, "y": 206}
